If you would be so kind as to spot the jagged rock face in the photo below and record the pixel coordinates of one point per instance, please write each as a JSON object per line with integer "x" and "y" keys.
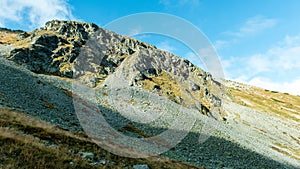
{"x": 135, "y": 63}
{"x": 53, "y": 48}
{"x": 71, "y": 29}
{"x": 90, "y": 54}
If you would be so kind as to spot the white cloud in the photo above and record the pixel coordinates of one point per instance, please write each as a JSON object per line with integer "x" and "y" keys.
{"x": 33, "y": 13}
{"x": 243, "y": 68}
{"x": 291, "y": 41}
{"x": 280, "y": 59}
{"x": 135, "y": 31}
{"x": 288, "y": 87}
{"x": 283, "y": 57}
{"x": 252, "y": 26}
{"x": 286, "y": 58}
{"x": 166, "y": 46}
{"x": 219, "y": 44}
{"x": 259, "y": 63}
{"x": 261, "y": 69}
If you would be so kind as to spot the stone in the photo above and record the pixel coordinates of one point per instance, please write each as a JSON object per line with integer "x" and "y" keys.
{"x": 97, "y": 163}
{"x": 87, "y": 155}
{"x": 156, "y": 87}
{"x": 140, "y": 166}
{"x": 103, "y": 162}
{"x": 23, "y": 35}
{"x": 194, "y": 87}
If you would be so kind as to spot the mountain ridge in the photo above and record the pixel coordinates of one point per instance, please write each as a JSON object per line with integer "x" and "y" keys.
{"x": 62, "y": 56}
{"x": 53, "y": 57}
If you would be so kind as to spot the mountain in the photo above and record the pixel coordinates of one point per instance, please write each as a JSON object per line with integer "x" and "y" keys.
{"x": 79, "y": 83}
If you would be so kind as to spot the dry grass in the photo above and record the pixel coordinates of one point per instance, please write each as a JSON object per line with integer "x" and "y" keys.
{"x": 288, "y": 151}
{"x": 8, "y": 37}
{"x": 274, "y": 103}
{"x": 170, "y": 88}
{"x": 295, "y": 151}
{"x": 30, "y": 143}
{"x": 297, "y": 140}
{"x": 132, "y": 128}
{"x": 24, "y": 43}
{"x": 49, "y": 105}
{"x": 66, "y": 66}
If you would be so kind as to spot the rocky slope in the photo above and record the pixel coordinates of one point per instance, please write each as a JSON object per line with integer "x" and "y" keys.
{"x": 55, "y": 49}
{"x": 141, "y": 91}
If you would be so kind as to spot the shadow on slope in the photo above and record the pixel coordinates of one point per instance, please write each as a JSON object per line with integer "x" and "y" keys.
{"x": 213, "y": 153}
{"x": 21, "y": 90}
{"x": 24, "y": 91}
{"x": 31, "y": 143}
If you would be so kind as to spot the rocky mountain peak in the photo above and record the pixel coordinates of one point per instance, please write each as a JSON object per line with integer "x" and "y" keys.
{"x": 71, "y": 28}
{"x": 51, "y": 49}
{"x": 91, "y": 54}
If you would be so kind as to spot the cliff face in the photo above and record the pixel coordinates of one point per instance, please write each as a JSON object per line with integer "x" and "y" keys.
{"x": 38, "y": 69}
{"x": 50, "y": 49}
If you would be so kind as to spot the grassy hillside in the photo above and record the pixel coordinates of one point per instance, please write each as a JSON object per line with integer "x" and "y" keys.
{"x": 274, "y": 103}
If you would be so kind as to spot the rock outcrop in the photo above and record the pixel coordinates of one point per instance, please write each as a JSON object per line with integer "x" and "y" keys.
{"x": 89, "y": 54}
{"x": 53, "y": 48}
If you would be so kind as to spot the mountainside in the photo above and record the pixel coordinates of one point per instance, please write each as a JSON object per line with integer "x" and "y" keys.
{"x": 59, "y": 73}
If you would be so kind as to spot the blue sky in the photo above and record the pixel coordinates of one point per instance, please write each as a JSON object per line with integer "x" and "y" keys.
{"x": 258, "y": 42}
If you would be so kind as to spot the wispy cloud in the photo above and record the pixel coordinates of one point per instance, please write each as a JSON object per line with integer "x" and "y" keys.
{"x": 284, "y": 56}
{"x": 31, "y": 13}
{"x": 219, "y": 44}
{"x": 259, "y": 68}
{"x": 166, "y": 46}
{"x": 252, "y": 26}
{"x": 135, "y": 31}
{"x": 291, "y": 87}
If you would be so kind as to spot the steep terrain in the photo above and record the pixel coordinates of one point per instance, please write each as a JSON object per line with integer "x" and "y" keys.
{"x": 57, "y": 73}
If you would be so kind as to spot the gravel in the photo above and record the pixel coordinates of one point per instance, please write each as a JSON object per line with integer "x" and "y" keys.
{"x": 42, "y": 97}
